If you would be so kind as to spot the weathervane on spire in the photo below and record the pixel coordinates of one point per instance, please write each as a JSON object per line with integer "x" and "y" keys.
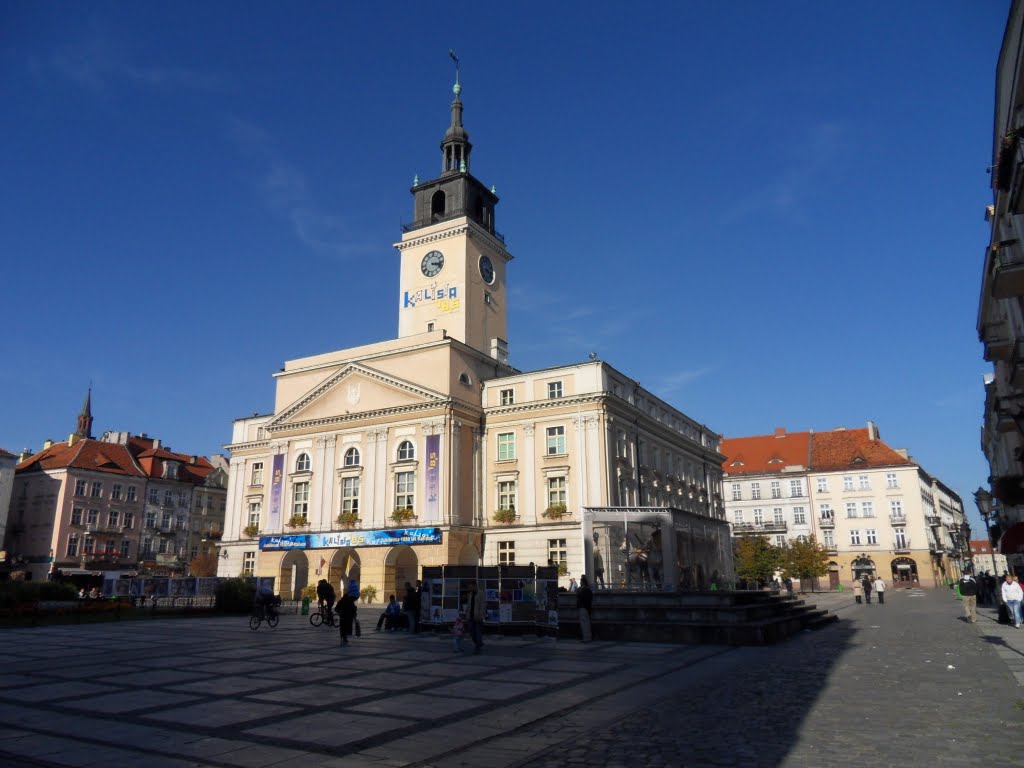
{"x": 455, "y": 58}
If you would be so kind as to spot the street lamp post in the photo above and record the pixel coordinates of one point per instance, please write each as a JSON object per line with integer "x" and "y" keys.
{"x": 984, "y": 501}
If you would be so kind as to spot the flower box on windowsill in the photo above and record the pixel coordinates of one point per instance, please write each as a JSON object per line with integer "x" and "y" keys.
{"x": 402, "y": 516}
{"x": 506, "y": 516}
{"x": 348, "y": 520}
{"x": 297, "y": 521}
{"x": 252, "y": 531}
{"x": 555, "y": 512}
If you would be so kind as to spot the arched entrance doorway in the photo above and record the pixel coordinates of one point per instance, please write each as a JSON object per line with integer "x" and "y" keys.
{"x": 401, "y": 565}
{"x": 904, "y": 571}
{"x": 863, "y": 566}
{"x": 833, "y": 575}
{"x": 468, "y": 555}
{"x": 343, "y": 568}
{"x": 294, "y": 575}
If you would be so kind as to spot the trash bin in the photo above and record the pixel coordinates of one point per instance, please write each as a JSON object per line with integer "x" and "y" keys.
{"x": 305, "y": 606}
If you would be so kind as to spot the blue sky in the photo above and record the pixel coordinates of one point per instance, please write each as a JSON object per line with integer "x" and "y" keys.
{"x": 771, "y": 214}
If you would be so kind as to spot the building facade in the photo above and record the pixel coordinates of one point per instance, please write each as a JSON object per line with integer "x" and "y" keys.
{"x": 8, "y": 461}
{"x": 873, "y": 507}
{"x": 1001, "y": 304}
{"x": 431, "y": 449}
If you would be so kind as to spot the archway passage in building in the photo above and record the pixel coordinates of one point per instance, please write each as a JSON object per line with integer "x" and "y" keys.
{"x": 294, "y": 575}
{"x": 904, "y": 571}
{"x": 863, "y": 566}
{"x": 833, "y": 575}
{"x": 344, "y": 568}
{"x": 468, "y": 555}
{"x": 401, "y": 565}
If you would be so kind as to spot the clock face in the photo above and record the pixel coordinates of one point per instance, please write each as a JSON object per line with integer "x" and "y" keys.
{"x": 432, "y": 263}
{"x": 486, "y": 270}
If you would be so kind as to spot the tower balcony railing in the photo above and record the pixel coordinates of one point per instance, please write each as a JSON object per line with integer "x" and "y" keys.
{"x": 457, "y": 214}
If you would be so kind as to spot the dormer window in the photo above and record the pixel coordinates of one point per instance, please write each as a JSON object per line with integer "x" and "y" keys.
{"x": 303, "y": 464}
{"x": 406, "y": 452}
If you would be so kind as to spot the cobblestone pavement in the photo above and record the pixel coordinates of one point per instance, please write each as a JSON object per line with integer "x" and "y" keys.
{"x": 906, "y": 684}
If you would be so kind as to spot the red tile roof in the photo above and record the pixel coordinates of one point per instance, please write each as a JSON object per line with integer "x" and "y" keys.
{"x": 853, "y": 449}
{"x": 765, "y": 453}
{"x": 88, "y": 454}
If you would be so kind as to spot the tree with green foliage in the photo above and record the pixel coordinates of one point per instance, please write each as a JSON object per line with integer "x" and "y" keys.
{"x": 805, "y": 559}
{"x": 756, "y": 558}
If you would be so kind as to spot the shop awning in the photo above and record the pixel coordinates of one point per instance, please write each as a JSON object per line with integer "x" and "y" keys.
{"x": 1012, "y": 542}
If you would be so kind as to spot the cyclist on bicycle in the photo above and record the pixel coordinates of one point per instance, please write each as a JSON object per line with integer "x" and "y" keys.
{"x": 266, "y": 601}
{"x": 325, "y": 594}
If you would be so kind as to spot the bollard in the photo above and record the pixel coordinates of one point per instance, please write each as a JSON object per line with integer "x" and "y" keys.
{"x": 839, "y": 588}
{"x": 305, "y": 606}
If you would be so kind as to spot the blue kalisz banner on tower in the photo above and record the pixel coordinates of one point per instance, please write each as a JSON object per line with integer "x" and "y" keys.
{"x": 276, "y": 488}
{"x": 387, "y": 537}
{"x": 433, "y": 477}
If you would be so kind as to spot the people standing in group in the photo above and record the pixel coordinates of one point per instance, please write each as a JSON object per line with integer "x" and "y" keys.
{"x": 968, "y": 587}
{"x": 458, "y": 630}
{"x": 347, "y": 610}
{"x": 880, "y": 589}
{"x": 391, "y": 615}
{"x": 1013, "y": 595}
{"x": 858, "y": 591}
{"x": 474, "y": 610}
{"x": 573, "y": 586}
{"x": 866, "y": 584}
{"x": 410, "y": 607}
{"x": 584, "y": 602}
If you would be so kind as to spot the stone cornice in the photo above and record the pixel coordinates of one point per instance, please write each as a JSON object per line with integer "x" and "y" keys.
{"x": 433, "y": 237}
{"x": 355, "y": 417}
{"x": 236, "y": 447}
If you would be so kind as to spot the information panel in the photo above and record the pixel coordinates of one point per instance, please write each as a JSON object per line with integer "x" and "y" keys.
{"x": 388, "y": 537}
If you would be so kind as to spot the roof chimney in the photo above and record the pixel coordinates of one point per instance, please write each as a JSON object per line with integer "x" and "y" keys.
{"x": 47, "y": 444}
{"x": 780, "y": 431}
{"x": 25, "y": 453}
{"x": 872, "y": 432}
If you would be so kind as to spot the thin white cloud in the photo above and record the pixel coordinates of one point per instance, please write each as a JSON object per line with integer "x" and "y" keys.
{"x": 668, "y": 384}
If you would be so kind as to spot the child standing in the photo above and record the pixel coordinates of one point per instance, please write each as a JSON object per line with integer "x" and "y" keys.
{"x": 458, "y": 630}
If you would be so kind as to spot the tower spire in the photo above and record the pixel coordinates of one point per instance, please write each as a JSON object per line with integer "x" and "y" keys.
{"x": 85, "y": 417}
{"x": 455, "y": 146}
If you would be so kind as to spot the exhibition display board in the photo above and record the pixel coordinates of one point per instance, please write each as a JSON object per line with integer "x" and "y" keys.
{"x": 514, "y": 594}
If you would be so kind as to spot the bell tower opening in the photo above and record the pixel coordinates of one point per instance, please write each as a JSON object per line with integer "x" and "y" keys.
{"x": 437, "y": 205}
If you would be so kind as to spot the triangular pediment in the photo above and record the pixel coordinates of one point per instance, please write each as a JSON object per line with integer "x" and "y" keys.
{"x": 355, "y": 389}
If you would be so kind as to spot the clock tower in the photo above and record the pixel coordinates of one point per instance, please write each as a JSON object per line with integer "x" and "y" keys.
{"x": 454, "y": 263}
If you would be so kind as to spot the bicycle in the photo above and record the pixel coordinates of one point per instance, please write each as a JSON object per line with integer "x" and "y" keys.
{"x": 323, "y": 616}
{"x": 260, "y": 613}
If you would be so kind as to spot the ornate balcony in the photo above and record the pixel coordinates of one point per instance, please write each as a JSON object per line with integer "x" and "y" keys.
{"x": 102, "y": 528}
{"x": 898, "y": 519}
{"x": 827, "y": 522}
{"x": 759, "y": 528}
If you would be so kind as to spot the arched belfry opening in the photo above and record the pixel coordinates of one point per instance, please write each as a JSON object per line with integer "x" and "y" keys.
{"x": 437, "y": 203}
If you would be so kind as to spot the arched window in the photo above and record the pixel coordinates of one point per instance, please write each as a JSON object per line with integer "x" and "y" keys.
{"x": 352, "y": 457}
{"x": 405, "y": 451}
{"x": 437, "y": 205}
{"x": 303, "y": 464}
{"x": 464, "y": 379}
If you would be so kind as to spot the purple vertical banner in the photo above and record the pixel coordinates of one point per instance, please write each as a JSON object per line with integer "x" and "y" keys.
{"x": 433, "y": 477}
{"x": 276, "y": 486}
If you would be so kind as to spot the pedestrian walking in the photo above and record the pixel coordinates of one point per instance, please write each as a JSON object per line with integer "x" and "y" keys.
{"x": 410, "y": 607}
{"x": 880, "y": 590}
{"x": 346, "y": 610}
{"x": 584, "y": 602}
{"x": 866, "y": 584}
{"x": 968, "y": 587}
{"x": 858, "y": 591}
{"x": 1013, "y": 595}
{"x": 458, "y": 630}
{"x": 474, "y": 610}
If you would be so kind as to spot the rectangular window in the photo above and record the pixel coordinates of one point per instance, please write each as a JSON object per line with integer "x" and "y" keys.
{"x": 154, "y": 496}
{"x": 556, "y": 491}
{"x": 900, "y": 536}
{"x": 405, "y": 490}
{"x": 113, "y": 518}
{"x": 737, "y": 492}
{"x": 73, "y": 545}
{"x": 162, "y": 547}
{"x": 556, "y": 551}
{"x": 255, "y": 508}
{"x": 822, "y": 485}
{"x": 97, "y": 490}
{"x": 257, "y": 473}
{"x": 89, "y": 545}
{"x": 151, "y": 519}
{"x": 507, "y": 494}
{"x": 506, "y": 553}
{"x": 168, "y": 499}
{"x": 300, "y": 500}
{"x": 167, "y": 522}
{"x": 851, "y": 509}
{"x": 827, "y": 538}
{"x": 76, "y": 515}
{"x": 890, "y": 480}
{"x": 825, "y": 512}
{"x": 739, "y": 517}
{"x": 129, "y": 520}
{"x": 855, "y": 538}
{"x": 848, "y": 483}
{"x": 867, "y": 509}
{"x": 758, "y": 516}
{"x": 554, "y": 389}
{"x": 79, "y": 487}
{"x": 863, "y": 483}
{"x": 796, "y": 488}
{"x": 507, "y": 397}
{"x": 506, "y": 446}
{"x": 755, "y": 491}
{"x": 248, "y": 563}
{"x": 126, "y": 548}
{"x": 872, "y": 537}
{"x": 147, "y": 546}
{"x": 780, "y": 540}
{"x": 131, "y": 493}
{"x": 777, "y": 515}
{"x": 776, "y": 490}
{"x": 896, "y": 508}
{"x": 92, "y": 516}
{"x": 350, "y": 495}
{"x": 799, "y": 518}
{"x": 115, "y": 492}
{"x": 556, "y": 441}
